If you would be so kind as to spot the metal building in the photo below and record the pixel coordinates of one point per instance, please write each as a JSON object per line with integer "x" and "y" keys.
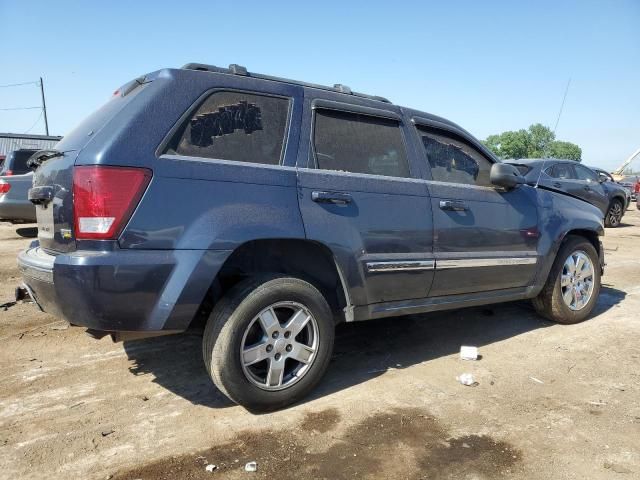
{"x": 15, "y": 141}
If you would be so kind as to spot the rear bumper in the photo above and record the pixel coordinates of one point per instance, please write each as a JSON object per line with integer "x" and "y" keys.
{"x": 122, "y": 290}
{"x": 11, "y": 209}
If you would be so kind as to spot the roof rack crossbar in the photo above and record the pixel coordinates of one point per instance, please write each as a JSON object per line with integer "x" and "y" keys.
{"x": 235, "y": 69}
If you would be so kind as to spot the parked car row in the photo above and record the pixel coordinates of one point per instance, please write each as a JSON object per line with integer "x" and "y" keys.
{"x": 272, "y": 210}
{"x": 15, "y": 181}
{"x": 572, "y": 178}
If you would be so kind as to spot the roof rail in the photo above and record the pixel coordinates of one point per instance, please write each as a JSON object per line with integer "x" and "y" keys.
{"x": 235, "y": 69}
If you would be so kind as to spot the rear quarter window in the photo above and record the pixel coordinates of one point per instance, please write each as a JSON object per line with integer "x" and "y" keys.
{"x": 237, "y": 126}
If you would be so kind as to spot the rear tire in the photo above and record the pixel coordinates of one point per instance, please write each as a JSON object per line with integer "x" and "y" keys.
{"x": 558, "y": 300}
{"x": 268, "y": 342}
{"x": 614, "y": 214}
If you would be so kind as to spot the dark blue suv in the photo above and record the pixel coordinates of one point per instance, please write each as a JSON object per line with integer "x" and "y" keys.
{"x": 274, "y": 210}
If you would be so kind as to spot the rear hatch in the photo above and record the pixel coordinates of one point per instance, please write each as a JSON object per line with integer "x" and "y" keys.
{"x": 53, "y": 179}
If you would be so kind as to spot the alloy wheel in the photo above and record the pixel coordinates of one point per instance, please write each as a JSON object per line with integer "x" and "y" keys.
{"x": 279, "y": 346}
{"x": 615, "y": 214}
{"x": 576, "y": 280}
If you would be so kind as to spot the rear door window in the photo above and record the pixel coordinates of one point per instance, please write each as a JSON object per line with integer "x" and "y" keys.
{"x": 238, "y": 126}
{"x": 454, "y": 161}
{"x": 353, "y": 142}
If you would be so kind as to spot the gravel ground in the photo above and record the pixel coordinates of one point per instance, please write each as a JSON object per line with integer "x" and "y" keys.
{"x": 552, "y": 401}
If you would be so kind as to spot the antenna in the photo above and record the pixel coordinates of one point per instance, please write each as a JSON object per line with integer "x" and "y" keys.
{"x": 555, "y": 127}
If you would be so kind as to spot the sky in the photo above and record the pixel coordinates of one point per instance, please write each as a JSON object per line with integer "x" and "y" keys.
{"x": 488, "y": 66}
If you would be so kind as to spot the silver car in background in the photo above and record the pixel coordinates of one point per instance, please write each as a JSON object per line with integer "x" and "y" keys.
{"x": 15, "y": 181}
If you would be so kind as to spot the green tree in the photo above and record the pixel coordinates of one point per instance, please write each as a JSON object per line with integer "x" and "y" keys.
{"x": 540, "y": 137}
{"x": 536, "y": 142}
{"x": 566, "y": 150}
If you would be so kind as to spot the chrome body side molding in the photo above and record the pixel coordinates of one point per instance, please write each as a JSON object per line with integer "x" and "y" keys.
{"x": 397, "y": 266}
{"x": 444, "y": 263}
{"x": 485, "y": 262}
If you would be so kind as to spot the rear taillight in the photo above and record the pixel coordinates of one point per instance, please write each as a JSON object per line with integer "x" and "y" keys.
{"x": 104, "y": 199}
{"x": 4, "y": 187}
{"x": 7, "y": 173}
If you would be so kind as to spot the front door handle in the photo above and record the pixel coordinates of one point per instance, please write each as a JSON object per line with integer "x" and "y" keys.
{"x": 587, "y": 188}
{"x": 336, "y": 198}
{"x": 453, "y": 205}
{"x": 557, "y": 184}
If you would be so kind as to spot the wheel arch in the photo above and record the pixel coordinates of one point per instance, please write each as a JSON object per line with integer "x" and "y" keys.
{"x": 591, "y": 233}
{"x": 620, "y": 198}
{"x": 306, "y": 259}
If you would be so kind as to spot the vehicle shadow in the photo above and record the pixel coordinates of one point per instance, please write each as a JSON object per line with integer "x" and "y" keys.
{"x": 175, "y": 361}
{"x": 27, "y": 232}
{"x": 363, "y": 350}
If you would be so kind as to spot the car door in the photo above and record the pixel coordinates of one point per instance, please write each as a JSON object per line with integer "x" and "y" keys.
{"x": 360, "y": 195}
{"x": 485, "y": 238}
{"x": 594, "y": 191}
{"x": 562, "y": 176}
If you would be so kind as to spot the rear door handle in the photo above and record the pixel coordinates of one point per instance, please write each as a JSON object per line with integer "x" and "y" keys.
{"x": 336, "y": 198}
{"x": 557, "y": 184}
{"x": 453, "y": 205}
{"x": 40, "y": 195}
{"x": 587, "y": 188}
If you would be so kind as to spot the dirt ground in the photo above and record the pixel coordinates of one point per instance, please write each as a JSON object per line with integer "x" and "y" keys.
{"x": 552, "y": 401}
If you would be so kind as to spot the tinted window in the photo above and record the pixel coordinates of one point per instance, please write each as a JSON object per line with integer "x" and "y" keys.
{"x": 359, "y": 143}
{"x": 562, "y": 171}
{"x": 584, "y": 173}
{"x": 17, "y": 161}
{"x": 452, "y": 160}
{"x": 235, "y": 126}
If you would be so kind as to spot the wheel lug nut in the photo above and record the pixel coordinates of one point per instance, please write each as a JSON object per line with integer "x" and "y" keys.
{"x": 289, "y": 348}
{"x": 269, "y": 348}
{"x": 275, "y": 334}
{"x": 278, "y": 356}
{"x": 287, "y": 334}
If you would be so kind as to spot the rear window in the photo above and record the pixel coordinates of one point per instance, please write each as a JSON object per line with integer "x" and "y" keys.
{"x": 238, "y": 126}
{"x": 17, "y": 161}
{"x": 357, "y": 143}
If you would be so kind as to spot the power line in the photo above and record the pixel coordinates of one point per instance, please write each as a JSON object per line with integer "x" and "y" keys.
{"x": 20, "y": 108}
{"x": 35, "y": 123}
{"x": 18, "y": 84}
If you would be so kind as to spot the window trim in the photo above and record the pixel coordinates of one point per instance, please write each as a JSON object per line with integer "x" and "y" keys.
{"x": 161, "y": 150}
{"x": 419, "y": 121}
{"x": 453, "y": 134}
{"x": 322, "y": 104}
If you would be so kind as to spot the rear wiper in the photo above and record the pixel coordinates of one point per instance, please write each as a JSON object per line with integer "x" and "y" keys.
{"x": 42, "y": 156}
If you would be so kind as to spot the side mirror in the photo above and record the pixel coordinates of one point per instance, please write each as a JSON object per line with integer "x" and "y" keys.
{"x": 506, "y": 176}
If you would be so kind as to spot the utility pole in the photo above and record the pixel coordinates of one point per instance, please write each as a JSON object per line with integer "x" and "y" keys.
{"x": 44, "y": 107}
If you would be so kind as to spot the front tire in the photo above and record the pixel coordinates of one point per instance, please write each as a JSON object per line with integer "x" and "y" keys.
{"x": 572, "y": 288}
{"x": 614, "y": 214}
{"x": 268, "y": 342}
